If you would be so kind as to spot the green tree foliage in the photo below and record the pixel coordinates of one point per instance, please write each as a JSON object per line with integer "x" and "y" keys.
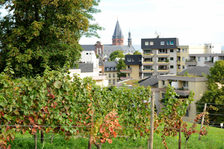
{"x": 116, "y": 54}
{"x": 37, "y": 34}
{"x": 121, "y": 65}
{"x": 137, "y": 53}
{"x": 215, "y": 94}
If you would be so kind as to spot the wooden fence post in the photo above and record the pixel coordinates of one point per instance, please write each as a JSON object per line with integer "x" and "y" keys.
{"x": 202, "y": 121}
{"x": 150, "y": 141}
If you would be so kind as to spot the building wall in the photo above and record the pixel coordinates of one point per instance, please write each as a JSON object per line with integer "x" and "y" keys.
{"x": 198, "y": 88}
{"x": 183, "y": 53}
{"x": 135, "y": 72}
{"x": 112, "y": 77}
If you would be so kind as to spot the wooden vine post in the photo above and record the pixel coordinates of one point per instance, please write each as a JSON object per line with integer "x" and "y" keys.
{"x": 150, "y": 141}
{"x": 202, "y": 120}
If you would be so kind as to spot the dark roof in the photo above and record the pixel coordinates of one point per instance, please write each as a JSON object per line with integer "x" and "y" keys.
{"x": 197, "y": 71}
{"x": 112, "y": 48}
{"x": 133, "y": 59}
{"x": 86, "y": 67}
{"x": 110, "y": 64}
{"x": 151, "y": 81}
{"x": 117, "y": 32}
{"x": 88, "y": 47}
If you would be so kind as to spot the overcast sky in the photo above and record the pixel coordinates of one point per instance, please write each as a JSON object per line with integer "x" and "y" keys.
{"x": 192, "y": 21}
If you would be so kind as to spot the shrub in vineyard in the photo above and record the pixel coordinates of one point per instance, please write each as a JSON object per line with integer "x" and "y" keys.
{"x": 173, "y": 111}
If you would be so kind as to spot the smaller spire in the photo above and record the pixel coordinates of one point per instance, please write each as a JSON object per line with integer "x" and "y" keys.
{"x": 129, "y": 39}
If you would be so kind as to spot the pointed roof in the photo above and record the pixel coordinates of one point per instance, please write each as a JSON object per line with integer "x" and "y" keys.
{"x": 117, "y": 32}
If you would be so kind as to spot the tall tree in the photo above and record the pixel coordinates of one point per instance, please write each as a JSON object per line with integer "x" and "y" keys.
{"x": 40, "y": 34}
{"x": 116, "y": 54}
{"x": 137, "y": 53}
{"x": 215, "y": 94}
{"x": 121, "y": 65}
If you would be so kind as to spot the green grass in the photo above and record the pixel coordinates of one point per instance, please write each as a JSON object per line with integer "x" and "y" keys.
{"x": 213, "y": 140}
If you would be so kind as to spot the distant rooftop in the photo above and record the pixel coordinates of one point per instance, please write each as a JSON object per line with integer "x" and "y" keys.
{"x": 86, "y": 67}
{"x": 196, "y": 71}
{"x": 88, "y": 47}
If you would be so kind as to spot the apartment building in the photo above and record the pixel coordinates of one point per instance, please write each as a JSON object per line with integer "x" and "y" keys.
{"x": 183, "y": 84}
{"x": 163, "y": 56}
{"x": 206, "y": 59}
{"x": 134, "y": 67}
{"x": 110, "y": 70}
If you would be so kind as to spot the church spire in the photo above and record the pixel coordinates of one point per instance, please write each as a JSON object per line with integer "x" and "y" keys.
{"x": 129, "y": 39}
{"x": 117, "y": 38}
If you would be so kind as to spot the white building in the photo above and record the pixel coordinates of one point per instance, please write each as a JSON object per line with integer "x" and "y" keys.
{"x": 204, "y": 49}
{"x": 89, "y": 67}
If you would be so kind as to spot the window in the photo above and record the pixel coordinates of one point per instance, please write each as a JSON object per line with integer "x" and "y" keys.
{"x": 183, "y": 59}
{"x": 109, "y": 75}
{"x": 163, "y": 82}
{"x": 171, "y": 50}
{"x": 183, "y": 67}
{"x": 206, "y": 58}
{"x": 171, "y": 58}
{"x": 109, "y": 81}
{"x": 182, "y": 50}
{"x": 199, "y": 59}
{"x": 114, "y": 75}
{"x": 171, "y": 43}
{"x": 167, "y": 43}
{"x": 87, "y": 53}
{"x": 171, "y": 66}
{"x": 162, "y": 43}
{"x": 128, "y": 59}
{"x": 114, "y": 81}
{"x": 146, "y": 43}
{"x": 151, "y": 43}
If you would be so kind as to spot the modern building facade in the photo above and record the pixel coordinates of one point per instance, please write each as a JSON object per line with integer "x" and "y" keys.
{"x": 163, "y": 56}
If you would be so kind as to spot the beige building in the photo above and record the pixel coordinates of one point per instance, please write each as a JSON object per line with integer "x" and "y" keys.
{"x": 189, "y": 80}
{"x": 133, "y": 67}
{"x": 110, "y": 70}
{"x": 182, "y": 56}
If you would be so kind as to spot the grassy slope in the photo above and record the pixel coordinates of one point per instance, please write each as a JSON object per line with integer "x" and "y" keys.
{"x": 214, "y": 140}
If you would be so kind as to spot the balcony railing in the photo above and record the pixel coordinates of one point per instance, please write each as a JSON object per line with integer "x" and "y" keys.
{"x": 126, "y": 70}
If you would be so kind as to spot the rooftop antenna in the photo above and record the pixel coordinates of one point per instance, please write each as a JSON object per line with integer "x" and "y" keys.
{"x": 157, "y": 34}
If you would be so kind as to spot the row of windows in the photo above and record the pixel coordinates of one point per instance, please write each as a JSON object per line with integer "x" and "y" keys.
{"x": 110, "y": 68}
{"x": 111, "y": 75}
{"x": 162, "y": 43}
{"x": 112, "y": 81}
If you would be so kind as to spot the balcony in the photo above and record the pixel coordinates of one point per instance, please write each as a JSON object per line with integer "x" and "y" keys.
{"x": 191, "y": 62}
{"x": 163, "y": 54}
{"x": 163, "y": 70}
{"x": 148, "y": 70}
{"x": 147, "y": 63}
{"x": 209, "y": 63}
{"x": 126, "y": 71}
{"x": 149, "y": 55}
{"x": 163, "y": 62}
